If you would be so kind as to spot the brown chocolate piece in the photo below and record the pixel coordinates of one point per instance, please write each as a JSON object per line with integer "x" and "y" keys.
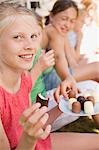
{"x": 42, "y": 100}
{"x": 72, "y": 94}
{"x": 81, "y": 99}
{"x": 76, "y": 107}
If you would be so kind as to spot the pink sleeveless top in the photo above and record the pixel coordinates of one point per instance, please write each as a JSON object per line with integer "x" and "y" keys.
{"x": 11, "y": 108}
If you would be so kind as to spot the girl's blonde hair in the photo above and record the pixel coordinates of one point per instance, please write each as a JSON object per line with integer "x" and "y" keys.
{"x": 86, "y": 3}
{"x": 9, "y": 11}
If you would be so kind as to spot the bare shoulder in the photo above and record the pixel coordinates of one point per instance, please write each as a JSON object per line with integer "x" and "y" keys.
{"x": 45, "y": 39}
{"x": 56, "y": 37}
{"x": 49, "y": 35}
{"x": 52, "y": 39}
{"x": 52, "y": 32}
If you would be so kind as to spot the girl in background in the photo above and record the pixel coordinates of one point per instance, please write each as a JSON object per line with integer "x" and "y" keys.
{"x": 56, "y": 41}
{"x": 81, "y": 68}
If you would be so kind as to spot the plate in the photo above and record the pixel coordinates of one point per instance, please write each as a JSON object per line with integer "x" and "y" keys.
{"x": 63, "y": 106}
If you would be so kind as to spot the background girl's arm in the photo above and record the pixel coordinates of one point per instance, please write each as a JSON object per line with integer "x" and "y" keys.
{"x": 73, "y": 54}
{"x": 70, "y": 54}
{"x": 78, "y": 44}
{"x": 61, "y": 64}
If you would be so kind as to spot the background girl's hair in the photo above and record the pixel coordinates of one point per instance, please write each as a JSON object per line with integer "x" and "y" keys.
{"x": 86, "y": 3}
{"x": 61, "y": 5}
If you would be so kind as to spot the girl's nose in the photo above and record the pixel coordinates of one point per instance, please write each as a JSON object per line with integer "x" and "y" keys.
{"x": 68, "y": 23}
{"x": 30, "y": 45}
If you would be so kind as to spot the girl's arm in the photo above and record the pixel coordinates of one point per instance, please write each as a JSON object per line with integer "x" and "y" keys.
{"x": 61, "y": 66}
{"x": 4, "y": 143}
{"x": 73, "y": 54}
{"x": 25, "y": 142}
{"x": 70, "y": 54}
{"x": 78, "y": 44}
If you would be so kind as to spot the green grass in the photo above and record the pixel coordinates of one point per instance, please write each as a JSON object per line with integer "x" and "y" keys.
{"x": 82, "y": 125}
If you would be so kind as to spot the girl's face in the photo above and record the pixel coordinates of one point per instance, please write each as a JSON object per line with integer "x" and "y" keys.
{"x": 65, "y": 20}
{"x": 19, "y": 43}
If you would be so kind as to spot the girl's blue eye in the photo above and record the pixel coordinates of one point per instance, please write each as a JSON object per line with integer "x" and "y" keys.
{"x": 34, "y": 36}
{"x": 17, "y": 37}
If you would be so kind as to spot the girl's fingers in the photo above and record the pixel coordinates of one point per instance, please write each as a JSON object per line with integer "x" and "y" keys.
{"x": 50, "y": 56}
{"x": 32, "y": 130}
{"x": 52, "y": 62}
{"x": 50, "y": 52}
{"x": 74, "y": 88}
{"x": 41, "y": 122}
{"x": 34, "y": 118}
{"x": 57, "y": 94}
{"x": 43, "y": 52}
{"x": 43, "y": 134}
{"x": 48, "y": 59}
{"x": 63, "y": 89}
{"x": 28, "y": 112}
{"x": 46, "y": 132}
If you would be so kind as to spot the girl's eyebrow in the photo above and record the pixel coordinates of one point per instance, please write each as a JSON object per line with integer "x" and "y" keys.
{"x": 25, "y": 33}
{"x": 69, "y": 18}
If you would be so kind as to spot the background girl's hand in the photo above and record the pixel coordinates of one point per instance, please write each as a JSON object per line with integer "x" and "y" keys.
{"x": 68, "y": 84}
{"x": 33, "y": 120}
{"x": 46, "y": 60}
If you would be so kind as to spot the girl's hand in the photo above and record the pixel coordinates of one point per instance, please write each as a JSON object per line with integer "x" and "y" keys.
{"x": 33, "y": 120}
{"x": 46, "y": 60}
{"x": 69, "y": 84}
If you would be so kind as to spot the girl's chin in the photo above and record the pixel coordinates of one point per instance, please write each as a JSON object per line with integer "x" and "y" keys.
{"x": 63, "y": 33}
{"x": 29, "y": 67}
